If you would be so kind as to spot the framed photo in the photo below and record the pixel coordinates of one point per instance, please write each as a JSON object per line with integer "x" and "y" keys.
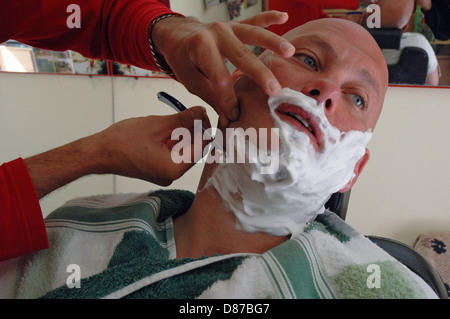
{"x": 211, "y": 3}
{"x": 249, "y": 3}
{"x": 234, "y": 8}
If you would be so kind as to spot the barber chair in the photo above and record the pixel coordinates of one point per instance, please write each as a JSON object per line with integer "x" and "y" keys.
{"x": 338, "y": 203}
{"x": 412, "y": 67}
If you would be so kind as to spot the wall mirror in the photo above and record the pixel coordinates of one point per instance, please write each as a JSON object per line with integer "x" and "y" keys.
{"x": 409, "y": 51}
{"x": 18, "y": 57}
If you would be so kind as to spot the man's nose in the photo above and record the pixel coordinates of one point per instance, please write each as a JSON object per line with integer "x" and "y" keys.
{"x": 324, "y": 91}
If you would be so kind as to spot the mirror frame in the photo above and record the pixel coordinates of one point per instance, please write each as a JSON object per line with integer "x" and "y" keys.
{"x": 110, "y": 66}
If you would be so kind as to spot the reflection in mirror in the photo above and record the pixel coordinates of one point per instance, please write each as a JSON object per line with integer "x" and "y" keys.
{"x": 414, "y": 55}
{"x": 19, "y": 57}
{"x": 407, "y": 58}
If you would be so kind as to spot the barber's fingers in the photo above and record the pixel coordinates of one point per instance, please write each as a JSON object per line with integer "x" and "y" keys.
{"x": 251, "y": 31}
{"x": 255, "y": 35}
{"x": 187, "y": 117}
{"x": 173, "y": 168}
{"x": 175, "y": 156}
{"x": 186, "y": 120}
{"x": 233, "y": 47}
{"x": 228, "y": 40}
{"x": 198, "y": 60}
{"x": 267, "y": 18}
{"x": 196, "y": 82}
{"x": 219, "y": 95}
{"x": 213, "y": 80}
{"x": 205, "y": 74}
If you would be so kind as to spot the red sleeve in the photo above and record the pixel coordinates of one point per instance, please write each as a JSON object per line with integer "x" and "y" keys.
{"x": 109, "y": 29}
{"x": 22, "y": 228}
{"x": 333, "y": 4}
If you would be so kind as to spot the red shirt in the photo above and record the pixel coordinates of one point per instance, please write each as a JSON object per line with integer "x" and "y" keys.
{"x": 302, "y": 11}
{"x": 110, "y": 29}
{"x": 22, "y": 228}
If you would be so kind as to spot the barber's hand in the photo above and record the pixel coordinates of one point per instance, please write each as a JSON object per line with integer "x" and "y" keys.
{"x": 138, "y": 147}
{"x": 195, "y": 51}
{"x": 141, "y": 147}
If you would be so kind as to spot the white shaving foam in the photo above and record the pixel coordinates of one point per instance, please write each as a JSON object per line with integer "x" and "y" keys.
{"x": 283, "y": 203}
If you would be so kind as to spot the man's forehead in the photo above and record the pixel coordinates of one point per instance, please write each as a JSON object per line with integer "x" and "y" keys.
{"x": 318, "y": 41}
{"x": 332, "y": 43}
{"x": 335, "y": 33}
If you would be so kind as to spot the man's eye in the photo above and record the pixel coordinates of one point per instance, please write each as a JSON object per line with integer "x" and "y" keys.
{"x": 358, "y": 101}
{"x": 309, "y": 61}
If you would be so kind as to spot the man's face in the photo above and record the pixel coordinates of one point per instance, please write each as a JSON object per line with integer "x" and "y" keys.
{"x": 340, "y": 66}
{"x": 337, "y": 63}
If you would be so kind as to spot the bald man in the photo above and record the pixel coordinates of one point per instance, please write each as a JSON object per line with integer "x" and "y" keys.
{"x": 331, "y": 66}
{"x": 245, "y": 233}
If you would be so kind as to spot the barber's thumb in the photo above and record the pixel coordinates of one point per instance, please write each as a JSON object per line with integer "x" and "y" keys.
{"x": 187, "y": 117}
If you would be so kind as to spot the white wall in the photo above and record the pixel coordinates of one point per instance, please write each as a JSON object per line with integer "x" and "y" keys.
{"x": 40, "y": 112}
{"x": 405, "y": 188}
{"x": 403, "y": 191}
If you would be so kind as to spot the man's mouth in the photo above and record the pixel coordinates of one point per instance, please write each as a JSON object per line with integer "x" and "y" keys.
{"x": 302, "y": 121}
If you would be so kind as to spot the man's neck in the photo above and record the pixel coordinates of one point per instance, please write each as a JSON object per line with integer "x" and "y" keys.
{"x": 209, "y": 227}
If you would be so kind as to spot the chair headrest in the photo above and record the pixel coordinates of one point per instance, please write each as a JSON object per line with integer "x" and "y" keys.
{"x": 387, "y": 38}
{"x": 338, "y": 204}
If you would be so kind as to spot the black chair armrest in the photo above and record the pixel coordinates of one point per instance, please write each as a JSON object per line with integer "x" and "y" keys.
{"x": 414, "y": 261}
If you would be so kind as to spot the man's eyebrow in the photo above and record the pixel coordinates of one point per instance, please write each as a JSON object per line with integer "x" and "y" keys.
{"x": 369, "y": 79}
{"x": 325, "y": 46}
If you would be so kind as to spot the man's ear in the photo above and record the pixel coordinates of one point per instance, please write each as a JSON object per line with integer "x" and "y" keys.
{"x": 405, "y": 28}
{"x": 358, "y": 169}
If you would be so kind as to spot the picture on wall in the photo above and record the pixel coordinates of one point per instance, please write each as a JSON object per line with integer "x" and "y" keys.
{"x": 234, "y": 8}
{"x": 249, "y": 3}
{"x": 52, "y": 61}
{"x": 211, "y": 3}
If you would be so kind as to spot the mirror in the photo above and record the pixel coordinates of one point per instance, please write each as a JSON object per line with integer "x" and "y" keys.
{"x": 415, "y": 45}
{"x": 18, "y": 57}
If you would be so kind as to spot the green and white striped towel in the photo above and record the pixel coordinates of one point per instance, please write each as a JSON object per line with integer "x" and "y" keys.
{"x": 123, "y": 246}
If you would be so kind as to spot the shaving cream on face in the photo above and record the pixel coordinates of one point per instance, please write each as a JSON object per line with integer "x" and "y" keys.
{"x": 284, "y": 202}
